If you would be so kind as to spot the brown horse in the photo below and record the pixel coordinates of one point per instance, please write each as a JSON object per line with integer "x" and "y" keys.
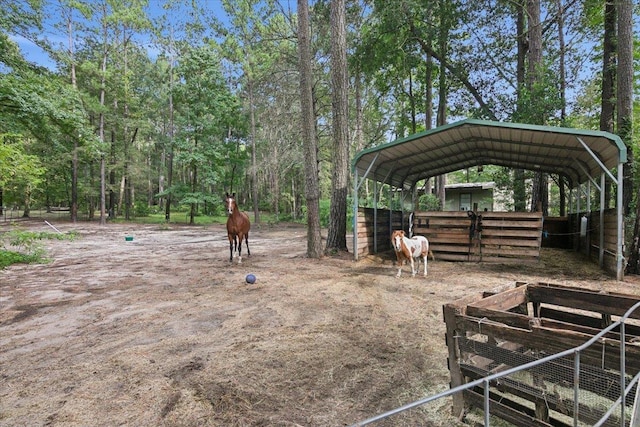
{"x": 238, "y": 226}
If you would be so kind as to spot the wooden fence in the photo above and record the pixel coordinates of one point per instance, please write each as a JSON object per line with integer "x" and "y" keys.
{"x": 489, "y": 237}
{"x": 454, "y": 236}
{"x": 590, "y": 244}
{"x": 374, "y": 229}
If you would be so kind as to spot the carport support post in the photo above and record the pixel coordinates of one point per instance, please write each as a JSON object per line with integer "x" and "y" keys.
{"x": 587, "y": 238}
{"x": 375, "y": 216}
{"x": 355, "y": 214}
{"x": 619, "y": 254}
{"x": 601, "y": 231}
{"x": 402, "y": 196}
{"x": 578, "y": 239}
{"x": 392, "y": 193}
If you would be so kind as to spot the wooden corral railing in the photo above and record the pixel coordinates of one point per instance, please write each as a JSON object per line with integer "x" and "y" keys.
{"x": 515, "y": 326}
{"x": 540, "y": 354}
{"x": 497, "y": 237}
{"x": 590, "y": 244}
{"x": 503, "y": 237}
{"x": 376, "y": 227}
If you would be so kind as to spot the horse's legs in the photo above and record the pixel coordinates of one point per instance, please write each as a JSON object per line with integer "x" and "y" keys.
{"x": 240, "y": 237}
{"x": 413, "y": 268}
{"x": 246, "y": 241}
{"x": 424, "y": 259}
{"x": 231, "y": 241}
{"x": 399, "y": 262}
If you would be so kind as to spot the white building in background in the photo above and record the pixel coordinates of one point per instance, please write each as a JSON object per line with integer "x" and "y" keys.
{"x": 484, "y": 196}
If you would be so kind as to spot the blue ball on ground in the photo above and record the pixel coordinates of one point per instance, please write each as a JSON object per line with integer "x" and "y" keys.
{"x": 251, "y": 279}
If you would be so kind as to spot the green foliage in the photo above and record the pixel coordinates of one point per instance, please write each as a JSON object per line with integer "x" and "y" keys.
{"x": 325, "y": 212}
{"x": 22, "y": 173}
{"x": 17, "y": 246}
{"x": 396, "y": 51}
{"x": 28, "y": 238}
{"x": 141, "y": 209}
{"x": 177, "y": 217}
{"x": 429, "y": 202}
{"x": 396, "y": 204}
{"x": 540, "y": 104}
{"x": 8, "y": 258}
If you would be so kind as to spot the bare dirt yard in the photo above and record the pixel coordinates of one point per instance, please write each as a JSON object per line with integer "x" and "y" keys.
{"x": 163, "y": 331}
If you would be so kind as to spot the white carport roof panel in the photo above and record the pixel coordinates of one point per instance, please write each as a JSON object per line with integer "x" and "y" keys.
{"x": 471, "y": 143}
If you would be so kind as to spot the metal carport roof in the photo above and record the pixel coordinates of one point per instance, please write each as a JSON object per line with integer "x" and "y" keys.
{"x": 577, "y": 154}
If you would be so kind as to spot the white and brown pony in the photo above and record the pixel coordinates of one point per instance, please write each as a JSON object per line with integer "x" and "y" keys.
{"x": 238, "y": 226}
{"x": 409, "y": 249}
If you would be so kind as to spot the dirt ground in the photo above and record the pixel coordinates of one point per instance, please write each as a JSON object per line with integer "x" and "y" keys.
{"x": 163, "y": 331}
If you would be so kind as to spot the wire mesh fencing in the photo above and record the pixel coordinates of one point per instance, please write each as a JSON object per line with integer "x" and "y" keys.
{"x": 506, "y": 383}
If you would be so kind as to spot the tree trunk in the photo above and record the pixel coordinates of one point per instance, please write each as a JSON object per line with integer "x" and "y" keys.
{"x": 624, "y": 121}
{"x": 312, "y": 187}
{"x": 127, "y": 147}
{"x": 103, "y": 85}
{"x": 27, "y": 203}
{"x": 74, "y": 181}
{"x": 563, "y": 92}
{"x": 123, "y": 185}
{"x": 519, "y": 191}
{"x": 113, "y": 206}
{"x": 194, "y": 184}
{"x": 519, "y": 188}
{"x": 540, "y": 191}
{"x": 624, "y": 91}
{"x": 412, "y": 104}
{"x": 608, "y": 101}
{"x": 254, "y": 165}
{"x": 74, "y": 83}
{"x": 561, "y": 59}
{"x": 337, "y": 233}
{"x": 441, "y": 116}
{"x": 167, "y": 208}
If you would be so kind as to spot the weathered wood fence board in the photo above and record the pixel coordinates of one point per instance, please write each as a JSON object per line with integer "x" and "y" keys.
{"x": 506, "y": 237}
{"x": 503, "y": 236}
{"x": 590, "y": 244}
{"x": 383, "y": 223}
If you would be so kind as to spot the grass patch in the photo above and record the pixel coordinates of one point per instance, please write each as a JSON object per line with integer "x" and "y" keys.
{"x": 183, "y": 218}
{"x": 176, "y": 218}
{"x": 8, "y": 258}
{"x": 25, "y": 247}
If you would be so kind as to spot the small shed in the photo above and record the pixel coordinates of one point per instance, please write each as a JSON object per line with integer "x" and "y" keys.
{"x": 585, "y": 158}
{"x": 463, "y": 197}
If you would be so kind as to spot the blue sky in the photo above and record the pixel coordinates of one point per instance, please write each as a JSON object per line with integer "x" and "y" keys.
{"x": 33, "y": 53}
{"x": 155, "y": 10}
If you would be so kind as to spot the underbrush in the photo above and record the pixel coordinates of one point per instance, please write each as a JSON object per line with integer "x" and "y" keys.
{"x": 25, "y": 247}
